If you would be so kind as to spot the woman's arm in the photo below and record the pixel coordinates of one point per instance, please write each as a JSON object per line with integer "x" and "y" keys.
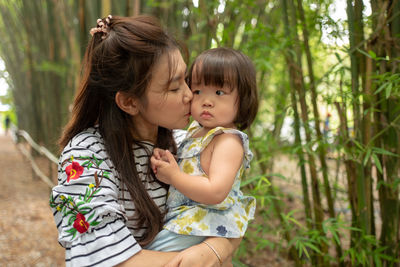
{"x": 226, "y": 159}
{"x": 203, "y": 255}
{"x": 146, "y": 258}
{"x": 190, "y": 257}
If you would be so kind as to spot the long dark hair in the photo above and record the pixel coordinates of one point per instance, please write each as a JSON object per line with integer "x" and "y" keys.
{"x": 122, "y": 59}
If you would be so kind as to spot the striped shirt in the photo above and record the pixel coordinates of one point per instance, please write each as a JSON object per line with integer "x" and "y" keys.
{"x": 105, "y": 236}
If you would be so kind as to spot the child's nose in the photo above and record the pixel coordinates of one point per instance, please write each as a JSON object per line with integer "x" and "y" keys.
{"x": 207, "y": 102}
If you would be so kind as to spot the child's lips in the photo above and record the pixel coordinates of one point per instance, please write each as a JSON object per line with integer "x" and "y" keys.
{"x": 205, "y": 115}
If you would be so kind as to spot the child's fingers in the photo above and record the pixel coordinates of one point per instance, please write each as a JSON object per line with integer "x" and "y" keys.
{"x": 157, "y": 153}
{"x": 154, "y": 164}
{"x": 170, "y": 158}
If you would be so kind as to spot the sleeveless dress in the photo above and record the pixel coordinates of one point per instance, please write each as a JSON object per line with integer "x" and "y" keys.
{"x": 227, "y": 219}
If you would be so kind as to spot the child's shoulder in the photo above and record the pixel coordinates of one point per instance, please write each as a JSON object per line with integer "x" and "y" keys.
{"x": 227, "y": 141}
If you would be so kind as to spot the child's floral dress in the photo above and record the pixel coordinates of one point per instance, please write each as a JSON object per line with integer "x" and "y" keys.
{"x": 226, "y": 219}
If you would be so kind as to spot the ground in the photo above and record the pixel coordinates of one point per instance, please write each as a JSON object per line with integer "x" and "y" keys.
{"x": 28, "y": 235}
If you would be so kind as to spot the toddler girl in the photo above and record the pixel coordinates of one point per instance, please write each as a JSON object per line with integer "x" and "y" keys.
{"x": 205, "y": 198}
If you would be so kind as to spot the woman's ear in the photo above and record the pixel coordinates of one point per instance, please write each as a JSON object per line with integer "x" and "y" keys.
{"x": 127, "y": 103}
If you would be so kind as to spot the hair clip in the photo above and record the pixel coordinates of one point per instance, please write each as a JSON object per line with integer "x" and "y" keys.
{"x": 101, "y": 27}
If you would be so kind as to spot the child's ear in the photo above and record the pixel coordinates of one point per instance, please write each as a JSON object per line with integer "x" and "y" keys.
{"x": 127, "y": 103}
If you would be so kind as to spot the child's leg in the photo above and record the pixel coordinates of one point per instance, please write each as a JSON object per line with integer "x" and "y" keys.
{"x": 170, "y": 241}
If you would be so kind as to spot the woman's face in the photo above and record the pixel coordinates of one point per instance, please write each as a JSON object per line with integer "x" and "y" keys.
{"x": 166, "y": 107}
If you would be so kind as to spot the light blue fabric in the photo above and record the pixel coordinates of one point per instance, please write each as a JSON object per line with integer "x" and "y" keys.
{"x": 169, "y": 241}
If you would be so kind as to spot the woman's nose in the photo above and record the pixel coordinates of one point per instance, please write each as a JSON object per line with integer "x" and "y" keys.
{"x": 187, "y": 94}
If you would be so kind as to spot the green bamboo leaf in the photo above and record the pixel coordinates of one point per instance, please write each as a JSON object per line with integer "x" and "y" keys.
{"x": 367, "y": 156}
{"x": 382, "y": 151}
{"x": 372, "y": 54}
{"x": 364, "y": 53}
{"x": 377, "y": 162}
{"x": 313, "y": 247}
{"x": 388, "y": 90}
{"x": 380, "y": 88}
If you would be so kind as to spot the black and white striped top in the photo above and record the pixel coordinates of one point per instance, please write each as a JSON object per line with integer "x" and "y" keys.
{"x": 108, "y": 235}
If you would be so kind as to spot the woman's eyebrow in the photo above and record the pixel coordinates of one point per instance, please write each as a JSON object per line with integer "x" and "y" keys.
{"x": 179, "y": 76}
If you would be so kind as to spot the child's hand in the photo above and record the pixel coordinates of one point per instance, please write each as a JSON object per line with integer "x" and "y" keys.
{"x": 164, "y": 165}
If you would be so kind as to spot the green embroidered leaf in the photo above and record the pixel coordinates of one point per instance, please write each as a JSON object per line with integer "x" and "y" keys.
{"x": 90, "y": 217}
{"x": 89, "y": 165}
{"x": 71, "y": 231}
{"x": 80, "y": 203}
{"x": 86, "y": 194}
{"x": 85, "y": 210}
{"x": 69, "y": 212}
{"x": 99, "y": 162}
{"x": 71, "y": 220}
{"x": 94, "y": 223}
{"x": 106, "y": 174}
{"x": 85, "y": 163}
{"x": 83, "y": 157}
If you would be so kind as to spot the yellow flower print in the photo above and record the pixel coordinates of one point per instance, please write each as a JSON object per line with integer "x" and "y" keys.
{"x": 203, "y": 226}
{"x": 187, "y": 168}
{"x": 91, "y": 185}
{"x": 199, "y": 215}
{"x": 240, "y": 225}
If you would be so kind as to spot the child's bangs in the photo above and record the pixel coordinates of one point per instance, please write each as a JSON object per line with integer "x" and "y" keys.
{"x": 215, "y": 71}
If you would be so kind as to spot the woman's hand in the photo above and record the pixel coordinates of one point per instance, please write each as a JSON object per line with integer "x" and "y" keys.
{"x": 199, "y": 255}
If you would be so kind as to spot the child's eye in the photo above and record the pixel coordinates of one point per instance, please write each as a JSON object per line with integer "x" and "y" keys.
{"x": 219, "y": 92}
{"x": 196, "y": 92}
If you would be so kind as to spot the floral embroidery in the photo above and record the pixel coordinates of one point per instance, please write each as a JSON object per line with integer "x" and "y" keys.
{"x": 74, "y": 208}
{"x": 73, "y": 171}
{"x": 80, "y": 223}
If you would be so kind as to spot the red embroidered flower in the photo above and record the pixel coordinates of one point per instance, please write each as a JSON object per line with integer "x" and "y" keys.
{"x": 80, "y": 223}
{"x": 74, "y": 171}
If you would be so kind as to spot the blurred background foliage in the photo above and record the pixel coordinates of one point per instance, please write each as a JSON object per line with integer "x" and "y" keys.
{"x": 326, "y": 138}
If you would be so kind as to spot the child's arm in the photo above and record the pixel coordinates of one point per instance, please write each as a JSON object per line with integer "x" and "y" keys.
{"x": 226, "y": 159}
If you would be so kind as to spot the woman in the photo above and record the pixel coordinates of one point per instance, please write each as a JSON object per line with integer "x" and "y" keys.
{"x": 107, "y": 203}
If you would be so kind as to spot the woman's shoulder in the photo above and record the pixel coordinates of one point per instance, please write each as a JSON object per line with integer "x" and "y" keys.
{"x": 89, "y": 140}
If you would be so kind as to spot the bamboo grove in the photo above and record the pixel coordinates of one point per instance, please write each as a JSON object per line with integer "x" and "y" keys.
{"x": 309, "y": 63}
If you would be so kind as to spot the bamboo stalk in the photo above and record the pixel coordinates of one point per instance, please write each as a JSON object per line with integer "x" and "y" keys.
{"x": 320, "y": 139}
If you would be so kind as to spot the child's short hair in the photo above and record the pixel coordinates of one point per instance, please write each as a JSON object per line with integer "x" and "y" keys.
{"x": 229, "y": 67}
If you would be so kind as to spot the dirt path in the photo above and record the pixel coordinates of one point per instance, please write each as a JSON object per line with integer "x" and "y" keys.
{"x": 28, "y": 235}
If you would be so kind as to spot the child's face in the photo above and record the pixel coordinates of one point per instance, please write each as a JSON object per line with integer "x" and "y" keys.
{"x": 214, "y": 106}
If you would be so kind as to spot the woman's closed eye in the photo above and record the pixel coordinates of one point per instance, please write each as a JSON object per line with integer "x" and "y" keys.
{"x": 174, "y": 90}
